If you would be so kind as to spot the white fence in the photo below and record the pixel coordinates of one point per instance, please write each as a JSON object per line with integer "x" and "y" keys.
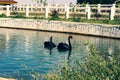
{"x": 89, "y": 11}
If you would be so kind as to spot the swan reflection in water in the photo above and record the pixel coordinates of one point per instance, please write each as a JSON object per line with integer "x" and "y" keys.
{"x": 50, "y": 50}
{"x": 69, "y": 54}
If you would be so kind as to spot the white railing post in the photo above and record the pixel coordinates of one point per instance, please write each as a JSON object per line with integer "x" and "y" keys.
{"x": 112, "y": 12}
{"x": 30, "y": 7}
{"x": 8, "y": 11}
{"x": 88, "y": 11}
{"x": 66, "y": 11}
{"x": 74, "y": 8}
{"x": 98, "y": 8}
{"x": 27, "y": 11}
{"x": 46, "y": 11}
{"x": 56, "y": 6}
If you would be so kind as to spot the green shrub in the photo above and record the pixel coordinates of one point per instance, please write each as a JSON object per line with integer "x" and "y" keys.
{"x": 115, "y": 22}
{"x": 3, "y": 15}
{"x": 83, "y": 4}
{"x": 118, "y": 4}
{"x": 76, "y": 19}
{"x": 106, "y": 21}
{"x": 95, "y": 67}
{"x": 19, "y": 16}
{"x": 36, "y": 17}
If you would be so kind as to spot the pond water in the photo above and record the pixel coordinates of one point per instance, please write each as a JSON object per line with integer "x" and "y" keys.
{"x": 22, "y": 51}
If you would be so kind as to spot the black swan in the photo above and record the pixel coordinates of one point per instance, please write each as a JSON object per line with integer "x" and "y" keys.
{"x": 49, "y": 44}
{"x": 63, "y": 46}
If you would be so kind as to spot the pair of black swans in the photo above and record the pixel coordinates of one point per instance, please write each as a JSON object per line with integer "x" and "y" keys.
{"x": 61, "y": 46}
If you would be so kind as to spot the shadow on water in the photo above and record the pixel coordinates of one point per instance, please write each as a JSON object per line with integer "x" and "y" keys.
{"x": 50, "y": 49}
{"x": 68, "y": 57}
{"x": 69, "y": 54}
{"x": 65, "y": 51}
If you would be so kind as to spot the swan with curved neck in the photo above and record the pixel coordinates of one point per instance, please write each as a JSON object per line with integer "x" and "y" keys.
{"x": 63, "y": 46}
{"x": 48, "y": 44}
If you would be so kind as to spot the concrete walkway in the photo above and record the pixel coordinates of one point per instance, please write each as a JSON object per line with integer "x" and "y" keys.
{"x": 101, "y": 30}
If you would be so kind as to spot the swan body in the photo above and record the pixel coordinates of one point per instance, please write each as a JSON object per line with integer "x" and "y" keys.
{"x": 63, "y": 46}
{"x": 49, "y": 43}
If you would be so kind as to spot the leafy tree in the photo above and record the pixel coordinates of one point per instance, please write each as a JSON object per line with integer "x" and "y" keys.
{"x": 96, "y": 1}
{"x": 54, "y": 15}
{"x": 42, "y": 2}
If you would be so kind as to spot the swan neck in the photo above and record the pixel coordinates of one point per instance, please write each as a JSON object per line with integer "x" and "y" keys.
{"x": 50, "y": 39}
{"x": 70, "y": 47}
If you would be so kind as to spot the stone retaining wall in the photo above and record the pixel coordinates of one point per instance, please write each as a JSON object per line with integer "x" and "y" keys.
{"x": 67, "y": 27}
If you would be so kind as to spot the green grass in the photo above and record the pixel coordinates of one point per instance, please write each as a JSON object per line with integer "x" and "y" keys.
{"x": 18, "y": 15}
{"x": 99, "y": 21}
{"x": 73, "y": 19}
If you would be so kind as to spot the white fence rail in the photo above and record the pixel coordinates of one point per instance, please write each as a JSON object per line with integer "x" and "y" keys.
{"x": 89, "y": 11}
